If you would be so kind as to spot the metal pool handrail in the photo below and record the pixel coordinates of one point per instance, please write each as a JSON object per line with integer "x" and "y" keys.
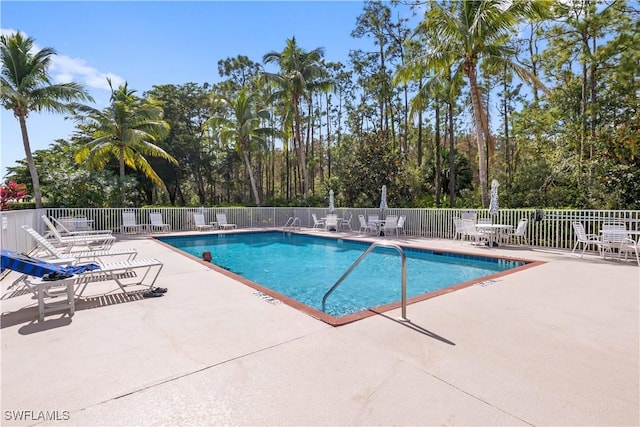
{"x": 292, "y": 223}
{"x": 374, "y": 245}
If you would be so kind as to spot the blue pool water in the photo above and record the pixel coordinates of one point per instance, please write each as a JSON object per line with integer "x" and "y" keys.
{"x": 304, "y": 267}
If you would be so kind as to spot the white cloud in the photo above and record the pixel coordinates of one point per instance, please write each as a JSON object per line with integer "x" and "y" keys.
{"x": 65, "y": 69}
{"x": 7, "y": 31}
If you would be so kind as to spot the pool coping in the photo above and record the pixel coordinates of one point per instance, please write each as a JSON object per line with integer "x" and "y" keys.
{"x": 350, "y": 318}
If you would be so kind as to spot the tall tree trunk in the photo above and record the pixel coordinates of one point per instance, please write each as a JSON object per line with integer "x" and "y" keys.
{"x": 310, "y": 146}
{"x": 583, "y": 115}
{"x": 287, "y": 169}
{"x": 328, "y": 135}
{"x": 478, "y": 116}
{"x": 452, "y": 157}
{"x": 437, "y": 154}
{"x": 300, "y": 146}
{"x": 121, "y": 176}
{"x": 533, "y": 56}
{"x": 419, "y": 144}
{"x": 247, "y": 164}
{"x": 592, "y": 101}
{"x": 35, "y": 180}
{"x": 505, "y": 118}
{"x": 405, "y": 142}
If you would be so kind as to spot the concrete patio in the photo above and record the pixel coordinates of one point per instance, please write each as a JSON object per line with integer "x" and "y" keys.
{"x": 556, "y": 344}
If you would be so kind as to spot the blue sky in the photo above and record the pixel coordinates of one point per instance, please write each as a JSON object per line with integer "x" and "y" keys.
{"x": 149, "y": 43}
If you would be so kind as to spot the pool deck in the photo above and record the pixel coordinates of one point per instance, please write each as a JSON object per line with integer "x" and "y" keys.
{"x": 556, "y": 344}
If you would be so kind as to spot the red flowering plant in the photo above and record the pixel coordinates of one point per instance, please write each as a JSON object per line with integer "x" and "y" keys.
{"x": 11, "y": 192}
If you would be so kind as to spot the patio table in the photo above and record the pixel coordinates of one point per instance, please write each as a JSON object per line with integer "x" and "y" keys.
{"x": 622, "y": 232}
{"x": 615, "y": 239}
{"x": 379, "y": 223}
{"x": 493, "y": 230}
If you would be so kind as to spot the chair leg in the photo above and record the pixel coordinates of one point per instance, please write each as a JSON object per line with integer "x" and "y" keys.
{"x": 586, "y": 245}
{"x": 574, "y": 247}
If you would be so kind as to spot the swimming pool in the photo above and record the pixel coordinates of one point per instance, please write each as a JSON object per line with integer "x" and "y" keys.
{"x": 303, "y": 268}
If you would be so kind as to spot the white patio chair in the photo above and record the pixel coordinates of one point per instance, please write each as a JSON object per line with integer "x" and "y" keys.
{"x": 331, "y": 222}
{"x": 628, "y": 246}
{"x": 344, "y": 223}
{"x": 157, "y": 223}
{"x": 130, "y": 224}
{"x": 75, "y": 226}
{"x": 586, "y": 239}
{"x": 221, "y": 217}
{"x": 614, "y": 238}
{"x": 64, "y": 224}
{"x": 199, "y": 222}
{"x": 371, "y": 220}
{"x": 390, "y": 226}
{"x": 82, "y": 223}
{"x": 472, "y": 215}
{"x": 458, "y": 230}
{"x": 520, "y": 233}
{"x": 470, "y": 230}
{"x": 364, "y": 227}
{"x": 317, "y": 223}
{"x": 401, "y": 220}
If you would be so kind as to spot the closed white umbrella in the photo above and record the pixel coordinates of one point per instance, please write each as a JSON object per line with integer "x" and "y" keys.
{"x": 332, "y": 206}
{"x": 494, "y": 206}
{"x": 383, "y": 198}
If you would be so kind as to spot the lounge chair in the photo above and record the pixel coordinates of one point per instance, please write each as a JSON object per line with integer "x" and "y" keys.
{"x": 130, "y": 225}
{"x": 222, "y": 221}
{"x": 317, "y": 223}
{"x": 54, "y": 252}
{"x": 331, "y": 222}
{"x": 199, "y": 222}
{"x": 364, "y": 227}
{"x": 584, "y": 238}
{"x": 50, "y": 281}
{"x": 92, "y": 241}
{"x": 57, "y": 256}
{"x": 157, "y": 223}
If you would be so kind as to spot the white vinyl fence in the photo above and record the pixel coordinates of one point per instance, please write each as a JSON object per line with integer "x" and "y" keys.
{"x": 548, "y": 228}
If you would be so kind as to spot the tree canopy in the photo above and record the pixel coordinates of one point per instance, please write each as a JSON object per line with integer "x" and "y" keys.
{"x": 542, "y": 96}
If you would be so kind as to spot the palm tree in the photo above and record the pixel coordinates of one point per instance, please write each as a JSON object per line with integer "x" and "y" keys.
{"x": 241, "y": 124}
{"x": 468, "y": 32}
{"x": 299, "y": 73}
{"x": 125, "y": 130}
{"x": 25, "y": 86}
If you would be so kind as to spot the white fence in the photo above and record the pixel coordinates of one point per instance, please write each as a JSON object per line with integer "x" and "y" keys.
{"x": 547, "y": 228}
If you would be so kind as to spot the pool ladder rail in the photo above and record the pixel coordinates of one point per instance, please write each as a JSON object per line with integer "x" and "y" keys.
{"x": 403, "y": 279}
{"x": 292, "y": 224}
